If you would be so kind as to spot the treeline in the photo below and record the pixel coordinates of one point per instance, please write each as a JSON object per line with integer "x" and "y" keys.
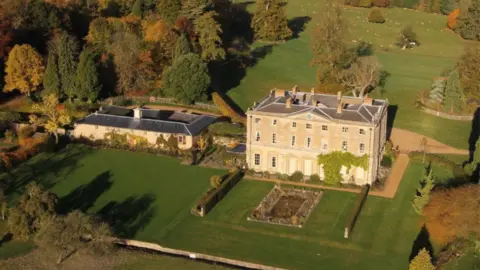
{"x": 82, "y": 50}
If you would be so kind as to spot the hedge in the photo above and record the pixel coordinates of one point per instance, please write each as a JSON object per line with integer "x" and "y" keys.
{"x": 215, "y": 195}
{"x": 226, "y": 109}
{"x": 440, "y": 160}
{"x": 357, "y": 207}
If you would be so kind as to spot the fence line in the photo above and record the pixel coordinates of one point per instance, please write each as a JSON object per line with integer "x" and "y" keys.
{"x": 448, "y": 116}
{"x": 192, "y": 255}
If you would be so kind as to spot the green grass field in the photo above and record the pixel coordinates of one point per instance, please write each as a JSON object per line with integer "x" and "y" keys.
{"x": 409, "y": 71}
{"x": 149, "y": 198}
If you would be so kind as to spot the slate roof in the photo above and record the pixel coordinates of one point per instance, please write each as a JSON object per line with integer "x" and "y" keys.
{"x": 326, "y": 106}
{"x": 152, "y": 120}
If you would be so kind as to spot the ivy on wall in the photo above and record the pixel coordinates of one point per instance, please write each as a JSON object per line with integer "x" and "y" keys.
{"x": 333, "y": 162}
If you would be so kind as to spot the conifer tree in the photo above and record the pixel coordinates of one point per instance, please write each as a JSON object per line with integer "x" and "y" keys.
{"x": 422, "y": 261}
{"x": 137, "y": 8}
{"x": 192, "y": 9}
{"x": 87, "y": 81}
{"x": 51, "y": 79}
{"x": 182, "y": 46}
{"x": 208, "y": 31}
{"x": 453, "y": 92}
{"x": 423, "y": 193}
{"x": 169, "y": 10}
{"x": 269, "y": 21}
{"x": 437, "y": 91}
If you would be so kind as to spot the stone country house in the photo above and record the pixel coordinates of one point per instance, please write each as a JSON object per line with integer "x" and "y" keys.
{"x": 287, "y": 130}
{"x": 145, "y": 123}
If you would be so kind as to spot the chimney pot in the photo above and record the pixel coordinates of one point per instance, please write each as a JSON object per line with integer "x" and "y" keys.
{"x": 312, "y": 91}
{"x": 339, "y": 95}
{"x": 367, "y": 100}
{"x": 295, "y": 89}
{"x": 340, "y": 107}
{"x": 137, "y": 113}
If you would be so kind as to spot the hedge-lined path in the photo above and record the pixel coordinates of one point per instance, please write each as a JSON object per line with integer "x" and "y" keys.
{"x": 409, "y": 141}
{"x": 388, "y": 192}
{"x": 396, "y": 175}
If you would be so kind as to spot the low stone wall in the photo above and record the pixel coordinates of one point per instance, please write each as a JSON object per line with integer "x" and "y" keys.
{"x": 448, "y": 116}
{"x": 192, "y": 255}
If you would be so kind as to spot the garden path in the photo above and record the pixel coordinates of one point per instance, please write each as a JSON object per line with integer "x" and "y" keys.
{"x": 408, "y": 141}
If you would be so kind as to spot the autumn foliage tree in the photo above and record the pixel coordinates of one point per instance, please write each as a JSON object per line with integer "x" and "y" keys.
{"x": 453, "y": 213}
{"x": 169, "y": 10}
{"x": 423, "y": 261}
{"x": 51, "y": 117}
{"x": 24, "y": 69}
{"x": 269, "y": 22}
{"x": 208, "y": 31}
{"x": 452, "y": 18}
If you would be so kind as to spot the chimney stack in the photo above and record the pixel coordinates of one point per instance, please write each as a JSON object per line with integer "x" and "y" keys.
{"x": 279, "y": 92}
{"x": 339, "y": 95}
{"x": 367, "y": 100}
{"x": 288, "y": 104}
{"x": 137, "y": 113}
{"x": 340, "y": 107}
{"x": 312, "y": 91}
{"x": 295, "y": 89}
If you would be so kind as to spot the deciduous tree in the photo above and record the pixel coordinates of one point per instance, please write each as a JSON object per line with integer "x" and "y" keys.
{"x": 468, "y": 24}
{"x": 52, "y": 117}
{"x": 87, "y": 83}
{"x": 192, "y": 9}
{"x": 407, "y": 39}
{"x": 269, "y": 21}
{"x": 75, "y": 233}
{"x": 169, "y": 10}
{"x": 137, "y": 9}
{"x": 468, "y": 68}
{"x": 208, "y": 31}
{"x": 362, "y": 76}
{"x": 187, "y": 80}
{"x": 24, "y": 69}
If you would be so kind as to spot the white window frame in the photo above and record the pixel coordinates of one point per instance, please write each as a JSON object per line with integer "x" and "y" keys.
{"x": 345, "y": 129}
{"x": 344, "y": 146}
{"x": 293, "y": 140}
{"x": 309, "y": 142}
{"x": 324, "y": 127}
{"x": 257, "y": 136}
{"x": 361, "y": 131}
{"x": 274, "y": 138}
{"x": 256, "y": 157}
{"x": 361, "y": 148}
{"x": 273, "y": 162}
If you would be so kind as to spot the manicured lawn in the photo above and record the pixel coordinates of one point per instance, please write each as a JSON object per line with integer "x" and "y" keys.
{"x": 409, "y": 71}
{"x": 149, "y": 198}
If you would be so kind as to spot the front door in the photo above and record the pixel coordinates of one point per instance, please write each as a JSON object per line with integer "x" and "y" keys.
{"x": 307, "y": 170}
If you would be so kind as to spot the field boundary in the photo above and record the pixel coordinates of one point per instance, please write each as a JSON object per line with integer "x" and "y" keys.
{"x": 192, "y": 255}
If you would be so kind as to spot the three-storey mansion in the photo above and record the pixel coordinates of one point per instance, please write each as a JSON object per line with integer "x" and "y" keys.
{"x": 287, "y": 130}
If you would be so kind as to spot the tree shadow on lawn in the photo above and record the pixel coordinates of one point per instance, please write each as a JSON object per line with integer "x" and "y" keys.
{"x": 130, "y": 216}
{"x": 474, "y": 133}
{"x": 298, "y": 25}
{"x": 422, "y": 241}
{"x": 61, "y": 164}
{"x": 6, "y": 238}
{"x": 85, "y": 196}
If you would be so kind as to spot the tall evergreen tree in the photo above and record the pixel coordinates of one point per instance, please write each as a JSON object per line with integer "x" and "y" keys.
{"x": 66, "y": 48}
{"x": 422, "y": 261}
{"x": 187, "y": 80}
{"x": 51, "y": 79}
{"x": 137, "y": 9}
{"x": 269, "y": 21}
{"x": 182, "y": 46}
{"x": 437, "y": 91}
{"x": 192, "y": 9}
{"x": 423, "y": 193}
{"x": 169, "y": 10}
{"x": 87, "y": 81}
{"x": 208, "y": 31}
{"x": 454, "y": 97}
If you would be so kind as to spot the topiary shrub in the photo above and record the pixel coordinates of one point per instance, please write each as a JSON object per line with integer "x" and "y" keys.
{"x": 376, "y": 16}
{"x": 386, "y": 161}
{"x": 315, "y": 178}
{"x": 296, "y": 176}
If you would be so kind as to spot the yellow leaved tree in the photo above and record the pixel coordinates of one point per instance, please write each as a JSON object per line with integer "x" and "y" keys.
{"x": 52, "y": 117}
{"x": 24, "y": 69}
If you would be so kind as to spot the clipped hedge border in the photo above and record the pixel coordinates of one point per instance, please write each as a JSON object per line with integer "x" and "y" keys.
{"x": 440, "y": 160}
{"x": 357, "y": 208}
{"x": 215, "y": 195}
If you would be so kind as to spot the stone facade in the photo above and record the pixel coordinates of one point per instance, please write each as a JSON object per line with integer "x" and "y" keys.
{"x": 288, "y": 139}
